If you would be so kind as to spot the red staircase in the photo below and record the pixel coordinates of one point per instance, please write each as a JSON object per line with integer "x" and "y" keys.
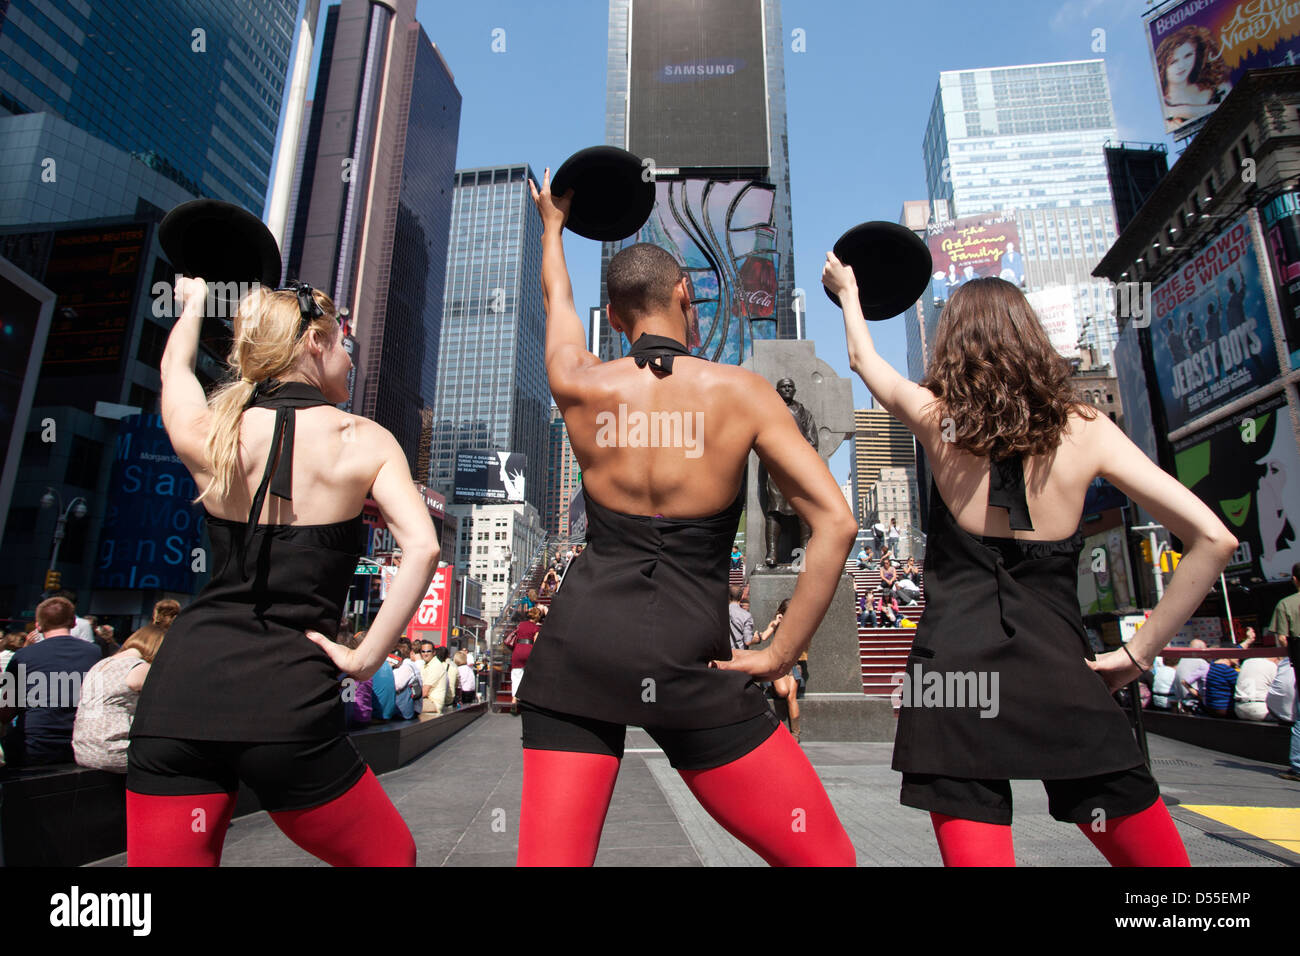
{"x": 884, "y": 650}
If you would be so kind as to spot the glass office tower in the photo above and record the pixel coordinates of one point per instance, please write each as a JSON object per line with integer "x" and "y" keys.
{"x": 492, "y": 390}
{"x": 1028, "y": 141}
{"x": 192, "y": 88}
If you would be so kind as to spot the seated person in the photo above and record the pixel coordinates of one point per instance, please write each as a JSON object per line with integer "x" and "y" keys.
{"x": 907, "y": 591}
{"x": 1162, "y": 686}
{"x": 383, "y": 690}
{"x": 1191, "y": 674}
{"x": 1220, "y": 684}
{"x": 888, "y": 574}
{"x": 866, "y": 613}
{"x": 407, "y": 686}
{"x": 52, "y": 671}
{"x": 1250, "y": 699}
{"x": 1281, "y": 693}
{"x": 109, "y": 694}
{"x": 886, "y": 608}
{"x": 911, "y": 572}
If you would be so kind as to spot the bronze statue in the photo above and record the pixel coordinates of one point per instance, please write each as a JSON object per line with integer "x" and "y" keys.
{"x": 777, "y": 506}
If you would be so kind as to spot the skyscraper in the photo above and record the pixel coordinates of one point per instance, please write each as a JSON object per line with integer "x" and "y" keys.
{"x": 879, "y": 441}
{"x": 372, "y": 204}
{"x": 563, "y": 477}
{"x": 492, "y": 390}
{"x": 1026, "y": 141}
{"x": 192, "y": 89}
{"x": 699, "y": 89}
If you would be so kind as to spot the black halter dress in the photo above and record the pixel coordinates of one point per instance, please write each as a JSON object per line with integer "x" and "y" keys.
{"x": 641, "y": 613}
{"x": 236, "y": 664}
{"x": 1006, "y": 609}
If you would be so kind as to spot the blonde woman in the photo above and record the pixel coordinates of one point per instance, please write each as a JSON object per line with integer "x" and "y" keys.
{"x": 245, "y": 687}
{"x": 109, "y": 694}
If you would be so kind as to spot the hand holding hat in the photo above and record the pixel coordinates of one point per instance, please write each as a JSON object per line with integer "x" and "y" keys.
{"x": 887, "y": 264}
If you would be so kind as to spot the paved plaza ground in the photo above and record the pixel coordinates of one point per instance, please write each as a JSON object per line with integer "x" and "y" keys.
{"x": 461, "y": 801}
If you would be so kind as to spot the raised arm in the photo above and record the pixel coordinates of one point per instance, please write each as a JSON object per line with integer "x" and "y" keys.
{"x": 408, "y": 519}
{"x": 1209, "y": 543}
{"x": 904, "y": 399}
{"x": 566, "y": 344}
{"x": 807, "y": 485}
{"x": 183, "y": 403}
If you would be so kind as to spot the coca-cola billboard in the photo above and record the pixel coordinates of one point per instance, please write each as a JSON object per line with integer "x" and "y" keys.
{"x": 723, "y": 234}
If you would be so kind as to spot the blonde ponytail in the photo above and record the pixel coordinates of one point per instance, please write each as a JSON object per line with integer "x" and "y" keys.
{"x": 265, "y": 345}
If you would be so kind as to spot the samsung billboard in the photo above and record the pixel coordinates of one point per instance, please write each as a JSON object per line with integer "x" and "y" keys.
{"x": 697, "y": 86}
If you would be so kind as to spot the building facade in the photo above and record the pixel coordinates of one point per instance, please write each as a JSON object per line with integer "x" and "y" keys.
{"x": 1027, "y": 142}
{"x": 563, "y": 477}
{"x": 496, "y": 543}
{"x": 371, "y": 205}
{"x": 719, "y": 147}
{"x": 880, "y": 441}
{"x": 492, "y": 389}
{"x": 192, "y": 90}
{"x": 1208, "y": 292}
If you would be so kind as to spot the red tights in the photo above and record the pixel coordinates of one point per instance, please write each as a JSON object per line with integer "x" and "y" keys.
{"x": 1148, "y": 838}
{"x": 359, "y": 828}
{"x": 771, "y": 800}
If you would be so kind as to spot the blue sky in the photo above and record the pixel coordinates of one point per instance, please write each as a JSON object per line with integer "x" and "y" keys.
{"x": 857, "y": 102}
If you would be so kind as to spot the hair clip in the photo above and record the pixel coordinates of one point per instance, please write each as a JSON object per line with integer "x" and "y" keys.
{"x": 307, "y": 304}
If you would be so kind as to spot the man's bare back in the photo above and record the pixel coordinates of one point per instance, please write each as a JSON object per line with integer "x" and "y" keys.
{"x": 671, "y": 444}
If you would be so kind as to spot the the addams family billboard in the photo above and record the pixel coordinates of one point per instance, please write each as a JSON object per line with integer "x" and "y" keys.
{"x": 1247, "y": 469}
{"x": 1210, "y": 334}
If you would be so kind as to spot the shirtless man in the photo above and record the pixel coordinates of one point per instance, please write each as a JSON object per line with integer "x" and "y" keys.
{"x": 712, "y": 721}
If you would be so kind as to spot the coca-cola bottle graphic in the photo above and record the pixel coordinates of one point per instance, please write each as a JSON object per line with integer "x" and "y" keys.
{"x": 756, "y": 283}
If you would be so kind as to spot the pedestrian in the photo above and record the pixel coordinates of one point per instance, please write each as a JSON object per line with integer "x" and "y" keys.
{"x": 1285, "y": 628}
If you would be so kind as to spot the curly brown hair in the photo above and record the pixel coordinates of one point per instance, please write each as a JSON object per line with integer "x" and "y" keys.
{"x": 996, "y": 376}
{"x": 1208, "y": 71}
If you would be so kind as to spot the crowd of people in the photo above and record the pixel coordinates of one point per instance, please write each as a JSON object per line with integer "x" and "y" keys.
{"x": 74, "y": 688}
{"x": 882, "y": 605}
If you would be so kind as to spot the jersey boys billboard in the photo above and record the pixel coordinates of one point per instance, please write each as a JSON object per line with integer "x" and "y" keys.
{"x": 698, "y": 83}
{"x": 1210, "y": 334}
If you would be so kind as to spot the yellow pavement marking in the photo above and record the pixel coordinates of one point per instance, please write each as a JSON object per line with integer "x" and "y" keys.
{"x": 1279, "y": 825}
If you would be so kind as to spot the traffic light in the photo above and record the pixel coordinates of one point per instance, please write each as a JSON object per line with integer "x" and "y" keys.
{"x": 1169, "y": 560}
{"x": 53, "y": 580}
{"x": 1145, "y": 545}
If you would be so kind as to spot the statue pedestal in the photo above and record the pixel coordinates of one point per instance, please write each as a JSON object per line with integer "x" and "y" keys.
{"x": 834, "y": 707}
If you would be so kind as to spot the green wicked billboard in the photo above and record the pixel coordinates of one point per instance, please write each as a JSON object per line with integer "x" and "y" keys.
{"x": 1247, "y": 469}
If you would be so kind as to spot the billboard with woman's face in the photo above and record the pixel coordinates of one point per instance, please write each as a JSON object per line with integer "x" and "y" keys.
{"x": 1201, "y": 48}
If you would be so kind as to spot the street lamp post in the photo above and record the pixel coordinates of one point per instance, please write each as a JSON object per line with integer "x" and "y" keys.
{"x": 76, "y": 508}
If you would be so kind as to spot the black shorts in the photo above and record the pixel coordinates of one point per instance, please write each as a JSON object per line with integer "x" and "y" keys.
{"x": 285, "y": 776}
{"x": 692, "y": 749}
{"x": 1082, "y": 800}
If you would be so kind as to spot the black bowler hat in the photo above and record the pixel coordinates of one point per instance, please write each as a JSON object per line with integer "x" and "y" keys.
{"x": 891, "y": 264}
{"x": 220, "y": 242}
{"x": 611, "y": 198}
